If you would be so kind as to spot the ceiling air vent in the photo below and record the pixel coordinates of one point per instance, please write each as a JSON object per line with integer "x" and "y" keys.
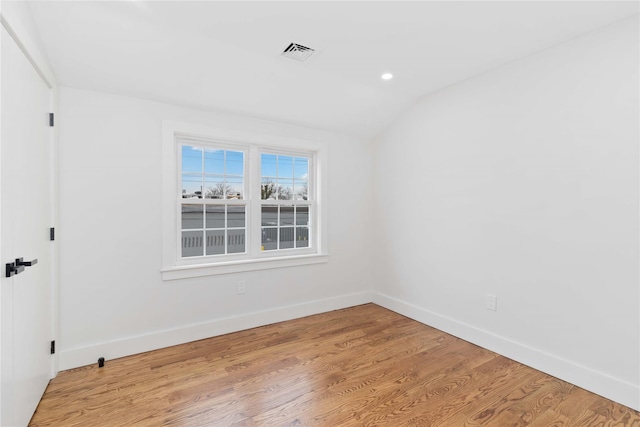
{"x": 298, "y": 52}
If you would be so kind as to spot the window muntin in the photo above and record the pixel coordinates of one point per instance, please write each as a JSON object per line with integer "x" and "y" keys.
{"x": 212, "y": 230}
{"x": 286, "y": 202}
{"x": 213, "y": 211}
{"x": 218, "y": 194}
{"x": 212, "y": 173}
{"x": 284, "y": 177}
{"x": 285, "y": 227}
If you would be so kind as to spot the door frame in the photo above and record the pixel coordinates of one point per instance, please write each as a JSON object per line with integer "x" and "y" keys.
{"x": 16, "y": 19}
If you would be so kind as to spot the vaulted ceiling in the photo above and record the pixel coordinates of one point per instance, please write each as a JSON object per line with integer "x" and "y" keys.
{"x": 226, "y": 55}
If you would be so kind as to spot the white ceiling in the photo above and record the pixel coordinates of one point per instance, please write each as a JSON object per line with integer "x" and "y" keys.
{"x": 226, "y": 55}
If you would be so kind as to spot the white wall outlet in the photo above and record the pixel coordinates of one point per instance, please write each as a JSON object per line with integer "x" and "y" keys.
{"x": 492, "y": 302}
{"x": 242, "y": 287}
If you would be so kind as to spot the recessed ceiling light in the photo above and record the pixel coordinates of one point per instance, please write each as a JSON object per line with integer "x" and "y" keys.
{"x": 387, "y": 76}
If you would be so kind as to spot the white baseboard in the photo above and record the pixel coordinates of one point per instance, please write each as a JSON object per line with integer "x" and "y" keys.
{"x": 86, "y": 355}
{"x": 597, "y": 382}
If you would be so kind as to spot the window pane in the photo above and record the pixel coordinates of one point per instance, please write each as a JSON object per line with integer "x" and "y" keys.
{"x": 302, "y": 237}
{"x": 269, "y": 239}
{"x": 235, "y": 216}
{"x": 215, "y": 216}
{"x": 192, "y": 243}
{"x": 235, "y": 241}
{"x": 270, "y": 215}
{"x": 214, "y": 162}
{"x": 235, "y": 187}
{"x": 191, "y": 186}
{"x": 215, "y": 187}
{"x": 268, "y": 165}
{"x": 285, "y": 189}
{"x": 192, "y": 216}
{"x": 286, "y": 215}
{"x": 191, "y": 159}
{"x": 235, "y": 163}
{"x": 268, "y": 189}
{"x": 285, "y": 167}
{"x": 301, "y": 168}
{"x": 302, "y": 215}
{"x": 215, "y": 242}
{"x": 213, "y": 227}
{"x": 301, "y": 190}
{"x": 286, "y": 237}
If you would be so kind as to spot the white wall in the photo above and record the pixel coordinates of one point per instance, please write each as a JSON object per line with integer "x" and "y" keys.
{"x": 113, "y": 301}
{"x": 17, "y": 19}
{"x": 523, "y": 183}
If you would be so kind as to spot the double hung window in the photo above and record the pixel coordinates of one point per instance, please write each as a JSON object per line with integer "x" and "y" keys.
{"x": 285, "y": 201}
{"x": 238, "y": 205}
{"x": 213, "y": 207}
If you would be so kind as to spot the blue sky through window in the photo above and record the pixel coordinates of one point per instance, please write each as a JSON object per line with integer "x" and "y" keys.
{"x": 191, "y": 159}
{"x": 289, "y": 175}
{"x": 284, "y": 167}
{"x": 222, "y": 169}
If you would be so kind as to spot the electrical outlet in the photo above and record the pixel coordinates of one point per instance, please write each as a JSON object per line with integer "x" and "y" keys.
{"x": 242, "y": 287}
{"x": 492, "y": 302}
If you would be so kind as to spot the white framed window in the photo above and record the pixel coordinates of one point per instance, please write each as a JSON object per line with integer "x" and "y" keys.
{"x": 287, "y": 199}
{"x": 235, "y": 201}
{"x": 213, "y": 207}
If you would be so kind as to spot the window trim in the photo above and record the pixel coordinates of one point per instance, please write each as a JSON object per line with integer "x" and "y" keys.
{"x": 173, "y": 266}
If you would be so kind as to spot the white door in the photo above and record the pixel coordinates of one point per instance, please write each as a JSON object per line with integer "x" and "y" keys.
{"x": 25, "y": 218}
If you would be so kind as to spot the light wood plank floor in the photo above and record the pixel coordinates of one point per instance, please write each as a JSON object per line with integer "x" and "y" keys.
{"x": 362, "y": 366}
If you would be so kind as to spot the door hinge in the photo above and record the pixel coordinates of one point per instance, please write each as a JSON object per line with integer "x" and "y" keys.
{"x": 52, "y": 234}
{"x": 53, "y": 347}
{"x": 51, "y": 119}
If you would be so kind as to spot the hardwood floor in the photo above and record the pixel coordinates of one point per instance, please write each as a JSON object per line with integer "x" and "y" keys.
{"x": 362, "y": 366}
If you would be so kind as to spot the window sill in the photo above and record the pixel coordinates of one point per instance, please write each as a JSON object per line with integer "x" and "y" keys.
{"x": 200, "y": 270}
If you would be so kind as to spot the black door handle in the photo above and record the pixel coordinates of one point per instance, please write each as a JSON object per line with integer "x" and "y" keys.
{"x": 12, "y": 269}
{"x": 20, "y": 262}
{"x": 17, "y": 267}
